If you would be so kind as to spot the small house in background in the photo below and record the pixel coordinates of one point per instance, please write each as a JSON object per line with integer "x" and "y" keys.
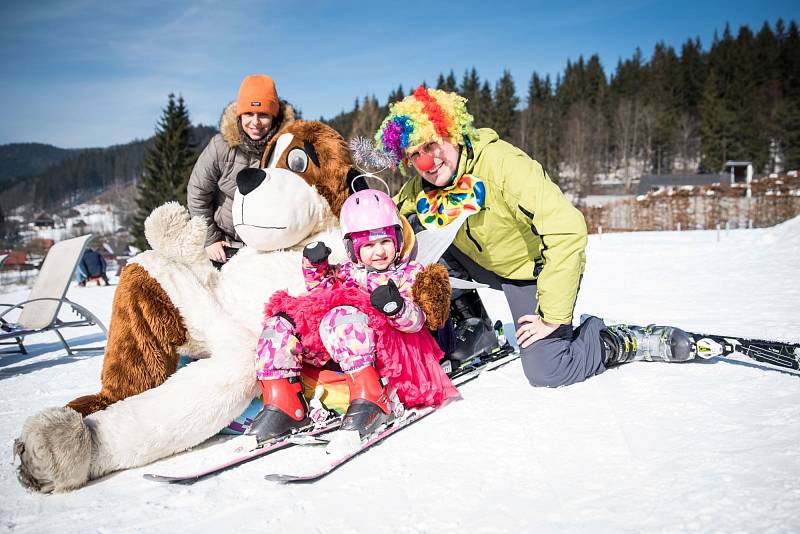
{"x": 739, "y": 173}
{"x": 16, "y": 260}
{"x": 652, "y": 183}
{"x": 43, "y": 220}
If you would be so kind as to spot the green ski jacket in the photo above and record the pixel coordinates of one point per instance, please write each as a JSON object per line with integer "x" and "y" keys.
{"x": 527, "y": 229}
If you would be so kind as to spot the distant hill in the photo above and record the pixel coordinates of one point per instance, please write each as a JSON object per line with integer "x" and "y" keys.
{"x": 25, "y": 159}
{"x": 78, "y": 174}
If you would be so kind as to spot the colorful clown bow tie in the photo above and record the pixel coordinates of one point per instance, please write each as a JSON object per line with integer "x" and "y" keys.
{"x": 439, "y": 207}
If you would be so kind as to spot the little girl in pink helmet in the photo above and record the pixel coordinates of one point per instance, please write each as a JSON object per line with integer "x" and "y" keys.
{"x": 359, "y": 314}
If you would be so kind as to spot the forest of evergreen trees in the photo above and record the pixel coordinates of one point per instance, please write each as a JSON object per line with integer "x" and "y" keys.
{"x": 82, "y": 173}
{"x": 676, "y": 111}
{"x": 28, "y": 159}
{"x": 684, "y": 111}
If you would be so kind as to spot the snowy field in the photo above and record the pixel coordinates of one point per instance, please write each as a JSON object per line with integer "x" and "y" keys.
{"x": 703, "y": 446}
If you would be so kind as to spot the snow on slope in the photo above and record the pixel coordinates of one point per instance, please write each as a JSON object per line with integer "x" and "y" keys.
{"x": 651, "y": 447}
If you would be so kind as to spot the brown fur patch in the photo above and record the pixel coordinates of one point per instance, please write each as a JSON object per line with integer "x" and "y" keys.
{"x": 431, "y": 292}
{"x": 144, "y": 331}
{"x": 334, "y": 157}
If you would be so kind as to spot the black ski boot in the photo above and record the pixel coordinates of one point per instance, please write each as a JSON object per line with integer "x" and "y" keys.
{"x": 474, "y": 333}
{"x": 627, "y": 343}
{"x": 285, "y": 409}
{"x": 369, "y": 405}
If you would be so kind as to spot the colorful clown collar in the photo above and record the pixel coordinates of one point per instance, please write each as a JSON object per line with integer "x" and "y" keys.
{"x": 439, "y": 207}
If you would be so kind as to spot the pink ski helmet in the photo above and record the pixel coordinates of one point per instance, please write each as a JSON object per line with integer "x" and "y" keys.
{"x": 368, "y": 215}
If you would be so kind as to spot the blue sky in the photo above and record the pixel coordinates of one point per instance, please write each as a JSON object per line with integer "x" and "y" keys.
{"x": 83, "y": 73}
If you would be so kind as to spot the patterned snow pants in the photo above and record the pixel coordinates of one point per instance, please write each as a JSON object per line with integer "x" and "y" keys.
{"x": 344, "y": 331}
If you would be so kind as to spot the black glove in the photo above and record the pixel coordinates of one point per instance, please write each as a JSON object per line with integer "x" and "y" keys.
{"x": 387, "y": 299}
{"x": 316, "y": 252}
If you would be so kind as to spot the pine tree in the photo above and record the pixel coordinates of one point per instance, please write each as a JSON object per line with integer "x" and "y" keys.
{"x": 753, "y": 106}
{"x": 663, "y": 97}
{"x": 716, "y": 125}
{"x": 167, "y": 166}
{"x": 538, "y": 128}
{"x": 450, "y": 84}
{"x": 396, "y": 95}
{"x": 447, "y": 84}
{"x": 470, "y": 87}
{"x": 505, "y": 106}
{"x": 366, "y": 119}
{"x": 597, "y": 95}
{"x": 693, "y": 73}
{"x": 483, "y": 107}
{"x": 789, "y": 115}
{"x": 529, "y": 119}
{"x": 626, "y": 90}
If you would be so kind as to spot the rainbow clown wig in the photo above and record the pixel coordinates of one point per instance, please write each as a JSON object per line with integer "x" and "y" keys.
{"x": 424, "y": 116}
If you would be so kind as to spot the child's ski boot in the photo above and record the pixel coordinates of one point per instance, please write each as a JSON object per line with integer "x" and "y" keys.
{"x": 369, "y": 404}
{"x": 627, "y": 343}
{"x": 285, "y": 409}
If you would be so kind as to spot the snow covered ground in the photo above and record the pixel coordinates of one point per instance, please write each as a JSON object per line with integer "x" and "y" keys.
{"x": 702, "y": 446}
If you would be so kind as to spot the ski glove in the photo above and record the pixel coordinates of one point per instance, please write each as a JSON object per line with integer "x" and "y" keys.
{"x": 316, "y": 252}
{"x": 387, "y": 299}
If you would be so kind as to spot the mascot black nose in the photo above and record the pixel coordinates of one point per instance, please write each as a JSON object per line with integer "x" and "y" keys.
{"x": 248, "y": 179}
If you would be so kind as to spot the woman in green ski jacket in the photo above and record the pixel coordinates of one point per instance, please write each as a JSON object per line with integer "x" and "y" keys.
{"x": 523, "y": 236}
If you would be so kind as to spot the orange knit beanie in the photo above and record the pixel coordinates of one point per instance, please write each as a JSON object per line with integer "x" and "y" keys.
{"x": 257, "y": 94}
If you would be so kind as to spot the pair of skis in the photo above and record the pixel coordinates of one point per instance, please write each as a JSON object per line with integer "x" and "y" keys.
{"x": 466, "y": 372}
{"x": 315, "y": 435}
{"x": 779, "y": 354}
{"x": 245, "y": 454}
{"x": 337, "y": 460}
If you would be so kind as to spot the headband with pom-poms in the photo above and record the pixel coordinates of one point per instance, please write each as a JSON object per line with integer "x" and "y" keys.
{"x": 369, "y": 160}
{"x": 367, "y": 157}
{"x": 425, "y": 115}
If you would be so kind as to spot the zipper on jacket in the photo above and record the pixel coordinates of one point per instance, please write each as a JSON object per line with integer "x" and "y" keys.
{"x": 469, "y": 235}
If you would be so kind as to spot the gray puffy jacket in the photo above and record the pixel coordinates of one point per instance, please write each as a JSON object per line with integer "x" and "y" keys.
{"x": 213, "y": 180}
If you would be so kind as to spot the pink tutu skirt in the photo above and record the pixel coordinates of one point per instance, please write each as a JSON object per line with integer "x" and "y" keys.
{"x": 409, "y": 361}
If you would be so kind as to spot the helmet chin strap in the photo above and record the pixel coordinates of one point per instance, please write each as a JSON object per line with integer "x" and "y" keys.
{"x": 373, "y": 269}
{"x": 350, "y": 249}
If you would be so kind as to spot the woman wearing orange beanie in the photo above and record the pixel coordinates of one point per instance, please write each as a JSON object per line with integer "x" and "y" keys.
{"x": 246, "y": 126}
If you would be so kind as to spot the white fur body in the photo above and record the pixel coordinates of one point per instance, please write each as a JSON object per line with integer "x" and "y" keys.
{"x": 223, "y": 320}
{"x": 222, "y": 312}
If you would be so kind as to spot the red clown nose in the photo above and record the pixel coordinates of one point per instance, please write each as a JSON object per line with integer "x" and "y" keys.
{"x": 424, "y": 162}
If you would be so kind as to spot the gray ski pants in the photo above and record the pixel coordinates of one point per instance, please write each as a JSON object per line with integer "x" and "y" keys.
{"x": 564, "y": 357}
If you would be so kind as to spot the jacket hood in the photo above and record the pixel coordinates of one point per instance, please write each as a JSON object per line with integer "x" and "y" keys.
{"x": 230, "y": 131}
{"x": 479, "y": 141}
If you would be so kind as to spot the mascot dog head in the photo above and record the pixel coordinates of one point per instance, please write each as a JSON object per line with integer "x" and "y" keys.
{"x": 306, "y": 178}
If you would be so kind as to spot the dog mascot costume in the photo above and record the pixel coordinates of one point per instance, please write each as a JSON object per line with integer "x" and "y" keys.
{"x": 170, "y": 300}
